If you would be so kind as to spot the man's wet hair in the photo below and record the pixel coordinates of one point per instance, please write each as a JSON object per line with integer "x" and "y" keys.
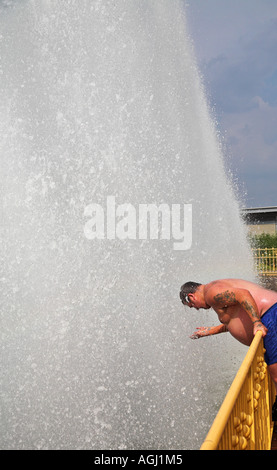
{"x": 188, "y": 288}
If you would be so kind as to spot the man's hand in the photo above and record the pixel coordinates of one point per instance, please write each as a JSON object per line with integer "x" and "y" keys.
{"x": 258, "y": 326}
{"x": 208, "y": 331}
{"x": 200, "y": 332}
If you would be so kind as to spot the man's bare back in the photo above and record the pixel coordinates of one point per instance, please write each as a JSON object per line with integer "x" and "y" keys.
{"x": 223, "y": 297}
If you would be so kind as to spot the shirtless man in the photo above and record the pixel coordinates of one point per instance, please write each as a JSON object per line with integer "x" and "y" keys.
{"x": 243, "y": 308}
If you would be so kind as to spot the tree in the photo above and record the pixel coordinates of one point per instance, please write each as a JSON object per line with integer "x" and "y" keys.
{"x": 263, "y": 240}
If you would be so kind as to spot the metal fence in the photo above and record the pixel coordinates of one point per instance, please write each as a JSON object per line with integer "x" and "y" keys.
{"x": 244, "y": 419}
{"x": 266, "y": 261}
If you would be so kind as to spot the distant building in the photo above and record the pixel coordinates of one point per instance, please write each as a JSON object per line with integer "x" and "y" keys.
{"x": 261, "y": 219}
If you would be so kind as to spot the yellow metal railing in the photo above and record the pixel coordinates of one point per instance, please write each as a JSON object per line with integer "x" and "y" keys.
{"x": 244, "y": 419}
{"x": 266, "y": 261}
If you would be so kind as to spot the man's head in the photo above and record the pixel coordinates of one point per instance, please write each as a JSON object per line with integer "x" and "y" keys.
{"x": 192, "y": 294}
{"x": 187, "y": 289}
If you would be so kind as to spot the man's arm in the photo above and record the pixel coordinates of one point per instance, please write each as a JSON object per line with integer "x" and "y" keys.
{"x": 220, "y": 298}
{"x": 208, "y": 331}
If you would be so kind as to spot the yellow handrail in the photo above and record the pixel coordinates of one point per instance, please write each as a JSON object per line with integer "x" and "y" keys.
{"x": 244, "y": 419}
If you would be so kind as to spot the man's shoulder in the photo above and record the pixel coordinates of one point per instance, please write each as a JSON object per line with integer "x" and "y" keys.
{"x": 218, "y": 285}
{"x": 215, "y": 288}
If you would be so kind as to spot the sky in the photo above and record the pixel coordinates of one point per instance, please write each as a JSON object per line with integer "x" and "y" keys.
{"x": 235, "y": 44}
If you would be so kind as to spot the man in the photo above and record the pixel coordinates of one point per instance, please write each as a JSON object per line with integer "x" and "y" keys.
{"x": 243, "y": 308}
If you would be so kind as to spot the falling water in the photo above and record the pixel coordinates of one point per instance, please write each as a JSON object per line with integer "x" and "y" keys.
{"x": 103, "y": 99}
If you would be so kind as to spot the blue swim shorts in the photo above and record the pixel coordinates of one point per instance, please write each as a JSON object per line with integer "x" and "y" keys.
{"x": 269, "y": 319}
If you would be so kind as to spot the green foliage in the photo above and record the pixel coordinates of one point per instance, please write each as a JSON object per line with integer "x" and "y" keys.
{"x": 264, "y": 240}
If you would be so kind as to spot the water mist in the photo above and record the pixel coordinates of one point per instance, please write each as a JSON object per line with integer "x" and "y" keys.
{"x": 103, "y": 99}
